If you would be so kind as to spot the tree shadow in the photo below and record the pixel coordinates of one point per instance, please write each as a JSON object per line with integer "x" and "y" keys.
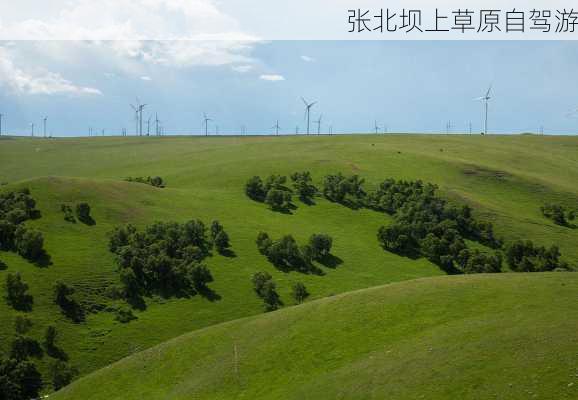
{"x": 73, "y": 311}
{"x": 137, "y": 302}
{"x": 44, "y": 260}
{"x": 331, "y": 261}
{"x": 229, "y": 253}
{"x": 308, "y": 201}
{"x": 56, "y": 352}
{"x": 208, "y": 293}
{"x": 87, "y": 221}
{"x": 23, "y": 303}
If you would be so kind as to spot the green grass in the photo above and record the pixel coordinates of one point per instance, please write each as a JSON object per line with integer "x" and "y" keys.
{"x": 507, "y": 336}
{"x": 506, "y": 179}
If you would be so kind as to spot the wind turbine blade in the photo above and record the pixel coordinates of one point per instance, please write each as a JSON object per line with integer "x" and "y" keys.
{"x": 305, "y": 102}
{"x": 312, "y": 104}
{"x": 489, "y": 90}
{"x": 478, "y": 98}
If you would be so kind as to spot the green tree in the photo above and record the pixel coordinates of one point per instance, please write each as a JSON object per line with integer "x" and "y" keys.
{"x": 19, "y": 380}
{"x": 255, "y": 189}
{"x": 278, "y": 200}
{"x": 299, "y": 292}
{"x": 29, "y": 243}
{"x": 61, "y": 374}
{"x": 83, "y": 213}
{"x": 321, "y": 245}
{"x": 22, "y": 325}
{"x": 50, "y": 336}
{"x": 17, "y": 293}
{"x": 222, "y": 241}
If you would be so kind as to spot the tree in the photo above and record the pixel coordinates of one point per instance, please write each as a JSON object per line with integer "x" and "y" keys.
{"x": 24, "y": 347}
{"x": 303, "y": 186}
{"x": 216, "y": 228}
{"x": 61, "y": 374}
{"x": 255, "y": 189}
{"x": 270, "y": 296}
{"x": 263, "y": 243}
{"x": 157, "y": 181}
{"x": 299, "y": 292}
{"x": 278, "y": 200}
{"x": 19, "y": 380}
{"x": 17, "y": 293}
{"x": 83, "y": 213}
{"x": 22, "y": 325}
{"x": 321, "y": 245}
{"x": 50, "y": 337}
{"x": 201, "y": 276}
{"x": 29, "y": 243}
{"x": 222, "y": 241}
{"x": 259, "y": 279}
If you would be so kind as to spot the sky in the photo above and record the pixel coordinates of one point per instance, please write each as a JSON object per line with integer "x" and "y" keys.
{"x": 210, "y": 61}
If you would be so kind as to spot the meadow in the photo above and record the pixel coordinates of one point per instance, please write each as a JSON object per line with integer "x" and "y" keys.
{"x": 505, "y": 179}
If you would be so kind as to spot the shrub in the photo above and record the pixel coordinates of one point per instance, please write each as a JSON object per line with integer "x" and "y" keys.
{"x": 68, "y": 214}
{"x": 299, "y": 292}
{"x": 155, "y": 181}
{"x": 50, "y": 336}
{"x": 266, "y": 289}
{"x": 83, "y": 213}
{"x": 558, "y": 214}
{"x": 222, "y": 242}
{"x": 61, "y": 374}
{"x": 278, "y": 200}
{"x": 124, "y": 315}
{"x": 341, "y": 189}
{"x": 24, "y": 347}
{"x": 19, "y": 380}
{"x": 17, "y": 293}
{"x": 263, "y": 242}
{"x": 3, "y": 265}
{"x": 255, "y": 189}
{"x": 303, "y": 186}
{"x": 321, "y": 245}
{"x": 523, "y": 256}
{"x": 22, "y": 325}
{"x": 69, "y": 306}
{"x": 29, "y": 243}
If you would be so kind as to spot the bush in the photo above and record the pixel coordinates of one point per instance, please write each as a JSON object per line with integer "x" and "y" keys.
{"x": 61, "y": 374}
{"x": 69, "y": 306}
{"x": 321, "y": 246}
{"x": 299, "y": 292}
{"x": 3, "y": 265}
{"x": 124, "y": 315}
{"x": 346, "y": 190}
{"x": 19, "y": 380}
{"x": 50, "y": 336}
{"x": 303, "y": 186}
{"x": 165, "y": 258}
{"x": 255, "y": 189}
{"x": 278, "y": 200}
{"x": 83, "y": 213}
{"x": 558, "y": 214}
{"x": 29, "y": 243}
{"x": 266, "y": 289}
{"x": 263, "y": 242}
{"x": 24, "y": 347}
{"x": 155, "y": 181}
{"x": 17, "y": 293}
{"x": 523, "y": 256}
{"x": 222, "y": 242}
{"x": 68, "y": 214}
{"x": 22, "y": 325}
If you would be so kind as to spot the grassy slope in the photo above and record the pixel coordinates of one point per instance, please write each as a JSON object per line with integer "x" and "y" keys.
{"x": 474, "y": 337}
{"x": 505, "y": 178}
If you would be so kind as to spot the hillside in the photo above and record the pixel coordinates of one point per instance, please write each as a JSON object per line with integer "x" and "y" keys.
{"x": 501, "y": 336}
{"x": 505, "y": 180}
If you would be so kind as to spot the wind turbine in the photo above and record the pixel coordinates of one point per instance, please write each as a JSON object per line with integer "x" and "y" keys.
{"x": 32, "y": 129}
{"x": 376, "y": 127}
{"x": 1, "y": 115}
{"x": 318, "y": 122}
{"x": 308, "y": 111}
{"x": 276, "y": 127}
{"x": 486, "y": 100}
{"x": 157, "y": 124}
{"x": 149, "y": 126}
{"x": 206, "y": 122}
{"x": 44, "y": 125}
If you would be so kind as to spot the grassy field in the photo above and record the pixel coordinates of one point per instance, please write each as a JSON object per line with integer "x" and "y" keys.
{"x": 505, "y": 178}
{"x": 507, "y": 336}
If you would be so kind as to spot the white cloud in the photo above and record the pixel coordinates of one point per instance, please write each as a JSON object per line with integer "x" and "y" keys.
{"x": 146, "y": 78}
{"x": 272, "y": 77}
{"x": 38, "y": 82}
{"x": 307, "y": 58}
{"x": 242, "y": 68}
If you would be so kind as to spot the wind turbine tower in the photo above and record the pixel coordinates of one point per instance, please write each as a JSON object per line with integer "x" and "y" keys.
{"x": 308, "y": 111}
{"x": 486, "y": 100}
{"x": 376, "y": 127}
{"x": 318, "y": 122}
{"x": 44, "y": 125}
{"x": 276, "y": 127}
{"x": 1, "y": 115}
{"x": 32, "y": 129}
{"x": 206, "y": 122}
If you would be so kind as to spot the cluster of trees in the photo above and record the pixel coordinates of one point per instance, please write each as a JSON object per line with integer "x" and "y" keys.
{"x": 19, "y": 376}
{"x": 287, "y": 255}
{"x": 155, "y": 181}
{"x": 524, "y": 256}
{"x": 166, "y": 258}
{"x": 346, "y": 190}
{"x": 274, "y": 190}
{"x": 17, "y": 293}
{"x": 558, "y": 214}
{"x": 63, "y": 297}
{"x": 425, "y": 225}
{"x": 267, "y": 290}
{"x": 82, "y": 213}
{"x": 16, "y": 208}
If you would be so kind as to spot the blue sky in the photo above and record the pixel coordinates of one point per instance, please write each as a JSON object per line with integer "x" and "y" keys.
{"x": 409, "y": 86}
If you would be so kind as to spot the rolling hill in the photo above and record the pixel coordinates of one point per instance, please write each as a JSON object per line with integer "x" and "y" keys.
{"x": 507, "y": 336}
{"x": 504, "y": 178}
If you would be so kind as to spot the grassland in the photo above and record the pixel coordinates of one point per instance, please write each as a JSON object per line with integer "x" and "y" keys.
{"x": 506, "y": 179}
{"x": 508, "y": 336}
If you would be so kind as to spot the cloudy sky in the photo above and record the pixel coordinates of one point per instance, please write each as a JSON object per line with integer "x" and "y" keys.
{"x": 102, "y": 55}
